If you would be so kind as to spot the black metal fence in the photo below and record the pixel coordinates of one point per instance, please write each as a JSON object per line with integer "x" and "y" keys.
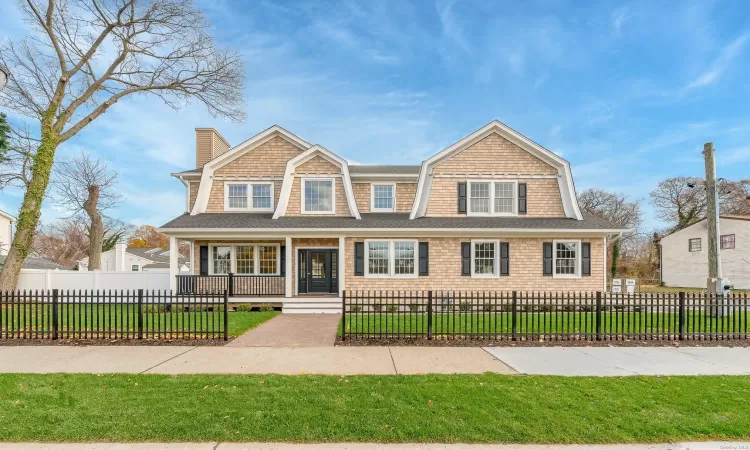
{"x": 235, "y": 285}
{"x": 545, "y": 316}
{"x": 140, "y": 314}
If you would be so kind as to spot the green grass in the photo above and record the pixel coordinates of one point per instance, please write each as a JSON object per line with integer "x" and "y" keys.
{"x": 544, "y": 323}
{"x": 124, "y": 318}
{"x": 434, "y": 408}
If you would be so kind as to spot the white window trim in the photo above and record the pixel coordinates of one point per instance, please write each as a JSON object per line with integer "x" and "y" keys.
{"x": 496, "y": 266}
{"x": 391, "y": 259}
{"x": 492, "y": 198}
{"x": 372, "y": 198}
{"x": 249, "y": 196}
{"x": 578, "y": 258}
{"x": 333, "y": 194}
{"x": 256, "y": 259}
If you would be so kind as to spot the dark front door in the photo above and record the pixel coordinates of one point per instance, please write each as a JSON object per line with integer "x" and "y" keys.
{"x": 317, "y": 271}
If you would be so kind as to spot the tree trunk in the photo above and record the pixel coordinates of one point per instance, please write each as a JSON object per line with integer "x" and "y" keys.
{"x": 31, "y": 208}
{"x": 96, "y": 231}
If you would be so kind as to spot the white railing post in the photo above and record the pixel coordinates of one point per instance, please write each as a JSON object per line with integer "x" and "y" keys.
{"x": 173, "y": 263}
{"x": 289, "y": 268}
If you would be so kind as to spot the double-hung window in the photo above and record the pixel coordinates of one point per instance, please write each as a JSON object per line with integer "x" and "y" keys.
{"x": 391, "y": 259}
{"x": 383, "y": 197}
{"x": 493, "y": 198}
{"x": 727, "y": 241}
{"x": 694, "y": 245}
{"x": 567, "y": 259}
{"x": 484, "y": 259}
{"x": 245, "y": 259}
{"x": 248, "y": 196}
{"x": 318, "y": 196}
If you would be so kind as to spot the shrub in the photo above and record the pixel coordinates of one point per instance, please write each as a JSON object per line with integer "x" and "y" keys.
{"x": 545, "y": 308}
{"x": 392, "y": 308}
{"x": 506, "y": 307}
{"x": 569, "y": 308}
{"x": 464, "y": 306}
{"x": 488, "y": 307}
{"x": 588, "y": 308}
{"x": 415, "y": 307}
{"x": 154, "y": 308}
{"x": 265, "y": 307}
{"x": 528, "y": 308}
{"x": 355, "y": 308}
{"x": 377, "y": 307}
{"x": 244, "y": 307}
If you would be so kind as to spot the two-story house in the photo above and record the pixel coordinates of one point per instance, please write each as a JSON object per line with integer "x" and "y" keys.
{"x": 295, "y": 224}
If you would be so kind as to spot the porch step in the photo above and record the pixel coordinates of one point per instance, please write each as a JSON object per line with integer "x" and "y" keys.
{"x": 301, "y": 305}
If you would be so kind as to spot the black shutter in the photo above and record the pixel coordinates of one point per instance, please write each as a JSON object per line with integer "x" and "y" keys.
{"x": 521, "y": 198}
{"x": 504, "y": 259}
{"x": 586, "y": 258}
{"x": 466, "y": 259}
{"x": 282, "y": 268}
{"x": 462, "y": 198}
{"x": 204, "y": 260}
{"x": 424, "y": 259}
{"x": 548, "y": 259}
{"x": 359, "y": 259}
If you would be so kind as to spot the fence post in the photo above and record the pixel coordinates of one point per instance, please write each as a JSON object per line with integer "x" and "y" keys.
{"x": 55, "y": 315}
{"x": 598, "y": 315}
{"x": 226, "y": 315}
{"x": 513, "y": 307}
{"x": 682, "y": 316}
{"x": 429, "y": 315}
{"x": 140, "y": 313}
{"x": 343, "y": 316}
{"x": 231, "y": 284}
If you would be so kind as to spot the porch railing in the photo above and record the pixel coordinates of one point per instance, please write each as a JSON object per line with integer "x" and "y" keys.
{"x": 235, "y": 285}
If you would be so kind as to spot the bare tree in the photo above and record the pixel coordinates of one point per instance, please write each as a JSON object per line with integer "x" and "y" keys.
{"x": 86, "y": 185}
{"x": 616, "y": 207}
{"x": 16, "y": 160}
{"x": 682, "y": 200}
{"x": 83, "y": 56}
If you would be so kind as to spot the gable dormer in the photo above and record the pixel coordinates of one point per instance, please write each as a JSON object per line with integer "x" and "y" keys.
{"x": 496, "y": 171}
{"x": 317, "y": 183}
{"x": 248, "y": 177}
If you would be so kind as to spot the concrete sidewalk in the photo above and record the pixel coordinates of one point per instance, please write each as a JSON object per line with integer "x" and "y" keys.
{"x": 282, "y": 446}
{"x": 569, "y": 361}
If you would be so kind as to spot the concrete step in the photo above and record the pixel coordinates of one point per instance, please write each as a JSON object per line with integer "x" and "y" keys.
{"x": 330, "y": 305}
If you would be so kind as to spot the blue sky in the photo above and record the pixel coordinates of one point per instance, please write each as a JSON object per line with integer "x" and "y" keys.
{"x": 628, "y": 92}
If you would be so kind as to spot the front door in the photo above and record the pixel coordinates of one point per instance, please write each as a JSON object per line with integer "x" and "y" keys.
{"x": 317, "y": 271}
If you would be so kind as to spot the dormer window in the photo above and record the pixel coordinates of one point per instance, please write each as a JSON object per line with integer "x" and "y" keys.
{"x": 383, "y": 197}
{"x": 318, "y": 196}
{"x": 251, "y": 197}
{"x": 492, "y": 198}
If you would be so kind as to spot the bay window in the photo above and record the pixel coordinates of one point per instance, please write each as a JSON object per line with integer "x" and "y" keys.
{"x": 492, "y": 198}
{"x": 318, "y": 196}
{"x": 245, "y": 259}
{"x": 391, "y": 259}
{"x": 248, "y": 196}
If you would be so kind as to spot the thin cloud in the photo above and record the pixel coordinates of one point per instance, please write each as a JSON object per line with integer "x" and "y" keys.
{"x": 721, "y": 64}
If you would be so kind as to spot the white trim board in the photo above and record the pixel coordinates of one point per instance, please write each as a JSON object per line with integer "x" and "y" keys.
{"x": 565, "y": 177}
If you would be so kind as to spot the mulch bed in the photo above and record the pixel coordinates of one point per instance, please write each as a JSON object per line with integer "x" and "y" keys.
{"x": 114, "y": 342}
{"x": 531, "y": 343}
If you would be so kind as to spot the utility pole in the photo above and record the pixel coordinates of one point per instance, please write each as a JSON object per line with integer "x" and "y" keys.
{"x": 712, "y": 213}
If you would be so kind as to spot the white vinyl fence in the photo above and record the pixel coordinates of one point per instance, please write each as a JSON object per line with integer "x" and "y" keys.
{"x": 32, "y": 279}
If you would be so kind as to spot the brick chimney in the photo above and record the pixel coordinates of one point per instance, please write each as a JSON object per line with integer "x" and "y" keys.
{"x": 208, "y": 145}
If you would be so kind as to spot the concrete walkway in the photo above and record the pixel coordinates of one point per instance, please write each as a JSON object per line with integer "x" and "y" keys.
{"x": 282, "y": 446}
{"x": 292, "y": 330}
{"x": 569, "y": 361}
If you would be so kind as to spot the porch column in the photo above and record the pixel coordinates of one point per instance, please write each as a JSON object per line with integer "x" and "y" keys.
{"x": 289, "y": 268}
{"x": 173, "y": 252}
{"x": 342, "y": 265}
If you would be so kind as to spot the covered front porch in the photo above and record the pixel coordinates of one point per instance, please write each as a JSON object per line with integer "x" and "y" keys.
{"x": 300, "y": 273}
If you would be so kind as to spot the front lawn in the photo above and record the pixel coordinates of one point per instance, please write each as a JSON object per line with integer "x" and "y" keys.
{"x": 430, "y": 408}
{"x": 240, "y": 322}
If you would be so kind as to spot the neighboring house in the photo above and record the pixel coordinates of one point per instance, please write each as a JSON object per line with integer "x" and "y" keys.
{"x": 6, "y": 231}
{"x": 684, "y": 254}
{"x": 494, "y": 211}
{"x": 36, "y": 263}
{"x": 135, "y": 259}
